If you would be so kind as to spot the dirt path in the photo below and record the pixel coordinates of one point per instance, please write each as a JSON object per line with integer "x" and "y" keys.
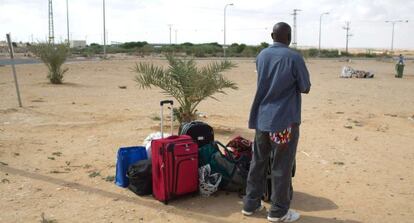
{"x": 354, "y": 158}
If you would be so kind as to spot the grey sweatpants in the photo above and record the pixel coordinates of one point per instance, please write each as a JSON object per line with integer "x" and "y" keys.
{"x": 281, "y": 173}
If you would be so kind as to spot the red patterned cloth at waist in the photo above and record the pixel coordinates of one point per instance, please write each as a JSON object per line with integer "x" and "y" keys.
{"x": 281, "y": 137}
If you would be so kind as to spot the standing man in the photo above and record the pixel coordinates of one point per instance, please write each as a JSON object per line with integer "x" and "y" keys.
{"x": 401, "y": 59}
{"x": 276, "y": 116}
{"x": 399, "y": 67}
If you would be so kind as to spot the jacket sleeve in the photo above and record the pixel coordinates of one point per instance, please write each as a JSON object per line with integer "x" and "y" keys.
{"x": 302, "y": 75}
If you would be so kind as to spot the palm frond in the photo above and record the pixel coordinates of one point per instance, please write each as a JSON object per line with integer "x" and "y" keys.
{"x": 216, "y": 68}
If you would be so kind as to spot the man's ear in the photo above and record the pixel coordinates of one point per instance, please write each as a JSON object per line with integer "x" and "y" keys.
{"x": 273, "y": 36}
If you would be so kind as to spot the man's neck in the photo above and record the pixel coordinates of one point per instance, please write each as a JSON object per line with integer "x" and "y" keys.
{"x": 280, "y": 44}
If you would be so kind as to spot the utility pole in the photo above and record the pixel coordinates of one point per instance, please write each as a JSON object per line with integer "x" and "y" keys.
{"x": 51, "y": 29}
{"x": 170, "y": 26}
{"x": 224, "y": 30}
{"x": 320, "y": 31}
{"x": 16, "y": 83}
{"x": 295, "y": 13}
{"x": 104, "y": 30}
{"x": 176, "y": 36}
{"x": 67, "y": 20}
{"x": 347, "y": 28}
{"x": 392, "y": 36}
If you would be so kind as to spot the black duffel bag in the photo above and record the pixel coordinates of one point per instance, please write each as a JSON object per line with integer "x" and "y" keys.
{"x": 234, "y": 171}
{"x": 140, "y": 177}
{"x": 201, "y": 132}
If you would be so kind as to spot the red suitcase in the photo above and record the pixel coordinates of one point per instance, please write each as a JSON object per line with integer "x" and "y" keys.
{"x": 174, "y": 164}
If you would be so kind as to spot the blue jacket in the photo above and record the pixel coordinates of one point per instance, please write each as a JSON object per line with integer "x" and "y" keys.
{"x": 282, "y": 77}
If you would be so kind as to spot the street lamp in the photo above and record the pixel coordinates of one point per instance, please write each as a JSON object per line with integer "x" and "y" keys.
{"x": 67, "y": 20}
{"x": 224, "y": 45}
{"x": 320, "y": 31}
{"x": 170, "y": 26}
{"x": 104, "y": 31}
{"x": 393, "y": 24}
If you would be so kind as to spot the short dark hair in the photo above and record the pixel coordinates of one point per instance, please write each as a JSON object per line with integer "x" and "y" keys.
{"x": 282, "y": 32}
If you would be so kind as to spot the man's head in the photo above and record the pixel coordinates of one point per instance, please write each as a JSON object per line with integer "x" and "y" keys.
{"x": 282, "y": 33}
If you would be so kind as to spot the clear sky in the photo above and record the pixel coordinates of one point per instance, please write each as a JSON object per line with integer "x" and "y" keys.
{"x": 199, "y": 21}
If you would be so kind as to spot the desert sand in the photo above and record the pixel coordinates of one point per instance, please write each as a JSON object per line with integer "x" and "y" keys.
{"x": 57, "y": 153}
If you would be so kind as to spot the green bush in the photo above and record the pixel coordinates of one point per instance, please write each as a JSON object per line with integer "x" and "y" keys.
{"x": 250, "y": 51}
{"x": 88, "y": 51}
{"x": 53, "y": 56}
{"x": 145, "y": 50}
{"x": 264, "y": 45}
{"x": 131, "y": 45}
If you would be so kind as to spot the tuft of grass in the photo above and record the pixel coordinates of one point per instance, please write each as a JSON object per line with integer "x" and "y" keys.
{"x": 94, "y": 174}
{"x": 109, "y": 178}
{"x": 339, "y": 163}
{"x": 45, "y": 220}
{"x": 155, "y": 117}
{"x": 57, "y": 171}
{"x": 57, "y": 153}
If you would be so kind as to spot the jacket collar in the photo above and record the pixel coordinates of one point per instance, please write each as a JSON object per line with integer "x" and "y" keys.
{"x": 279, "y": 44}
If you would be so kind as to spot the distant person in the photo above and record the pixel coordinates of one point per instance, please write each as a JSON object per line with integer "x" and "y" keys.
{"x": 401, "y": 59}
{"x": 276, "y": 115}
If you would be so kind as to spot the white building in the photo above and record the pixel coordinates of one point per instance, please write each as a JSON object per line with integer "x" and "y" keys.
{"x": 77, "y": 43}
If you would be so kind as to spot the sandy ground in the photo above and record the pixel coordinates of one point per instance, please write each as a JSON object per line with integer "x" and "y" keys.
{"x": 355, "y": 155}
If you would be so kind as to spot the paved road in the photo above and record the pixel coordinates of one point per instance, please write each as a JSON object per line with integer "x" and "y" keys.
{"x": 18, "y": 61}
{"x": 35, "y": 61}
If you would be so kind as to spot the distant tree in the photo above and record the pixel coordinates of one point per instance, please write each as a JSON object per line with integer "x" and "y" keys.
{"x": 264, "y": 45}
{"x": 214, "y": 44}
{"x": 187, "y": 44}
{"x": 249, "y": 51}
{"x": 146, "y": 49}
{"x": 53, "y": 56}
{"x": 130, "y": 45}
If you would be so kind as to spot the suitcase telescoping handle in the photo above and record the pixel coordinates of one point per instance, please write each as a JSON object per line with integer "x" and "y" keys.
{"x": 162, "y": 115}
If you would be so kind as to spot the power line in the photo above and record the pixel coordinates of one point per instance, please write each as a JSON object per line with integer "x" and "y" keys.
{"x": 295, "y": 13}
{"x": 51, "y": 29}
{"x": 347, "y": 28}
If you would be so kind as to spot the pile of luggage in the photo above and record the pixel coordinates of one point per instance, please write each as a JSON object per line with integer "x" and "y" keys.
{"x": 349, "y": 72}
{"x": 177, "y": 165}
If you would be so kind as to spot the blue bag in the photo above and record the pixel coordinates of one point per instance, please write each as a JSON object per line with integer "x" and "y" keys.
{"x": 126, "y": 157}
